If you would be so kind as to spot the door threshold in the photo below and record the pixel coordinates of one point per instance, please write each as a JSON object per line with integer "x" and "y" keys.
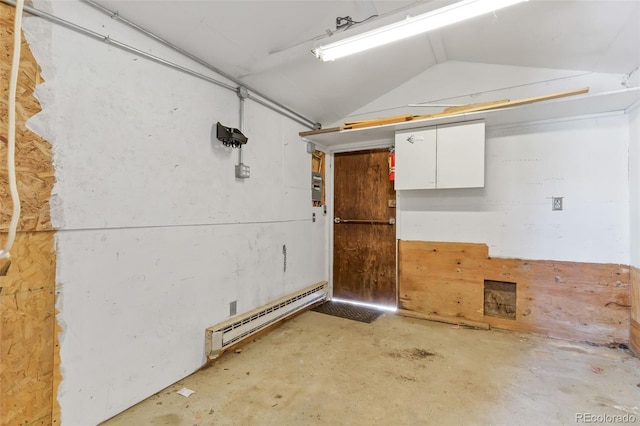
{"x": 385, "y": 308}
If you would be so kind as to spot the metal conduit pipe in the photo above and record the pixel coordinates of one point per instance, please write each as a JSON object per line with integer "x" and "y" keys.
{"x": 242, "y": 95}
{"x": 279, "y": 111}
{"x": 85, "y": 31}
{"x": 115, "y": 15}
{"x": 116, "y": 43}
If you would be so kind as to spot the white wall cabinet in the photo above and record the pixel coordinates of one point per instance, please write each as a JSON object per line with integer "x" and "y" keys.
{"x": 416, "y": 159}
{"x": 439, "y": 157}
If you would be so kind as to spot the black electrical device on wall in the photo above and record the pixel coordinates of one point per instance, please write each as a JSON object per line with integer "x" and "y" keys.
{"x": 230, "y": 136}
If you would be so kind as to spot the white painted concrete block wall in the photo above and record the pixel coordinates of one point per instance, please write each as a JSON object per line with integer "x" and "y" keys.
{"x": 583, "y": 160}
{"x": 156, "y": 234}
{"x": 634, "y": 183}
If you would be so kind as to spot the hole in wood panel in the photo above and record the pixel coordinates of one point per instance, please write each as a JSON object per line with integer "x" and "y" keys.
{"x": 500, "y": 299}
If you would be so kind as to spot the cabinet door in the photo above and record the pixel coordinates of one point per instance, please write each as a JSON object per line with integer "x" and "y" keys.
{"x": 416, "y": 159}
{"x": 460, "y": 156}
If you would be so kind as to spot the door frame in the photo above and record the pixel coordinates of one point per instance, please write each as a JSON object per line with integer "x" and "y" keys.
{"x": 330, "y": 178}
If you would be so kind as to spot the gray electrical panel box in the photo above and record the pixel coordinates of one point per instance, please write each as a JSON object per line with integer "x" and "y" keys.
{"x": 316, "y": 186}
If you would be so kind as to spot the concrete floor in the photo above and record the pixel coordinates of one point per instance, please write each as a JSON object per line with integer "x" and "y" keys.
{"x": 322, "y": 370}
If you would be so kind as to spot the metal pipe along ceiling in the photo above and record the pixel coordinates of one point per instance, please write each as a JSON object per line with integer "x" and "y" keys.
{"x": 267, "y": 102}
{"x": 116, "y": 15}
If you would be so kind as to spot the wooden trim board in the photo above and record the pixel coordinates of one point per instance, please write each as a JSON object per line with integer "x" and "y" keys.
{"x": 446, "y": 320}
{"x": 571, "y": 300}
{"x": 635, "y": 337}
{"x": 402, "y": 118}
{"x": 463, "y": 109}
{"x": 319, "y": 131}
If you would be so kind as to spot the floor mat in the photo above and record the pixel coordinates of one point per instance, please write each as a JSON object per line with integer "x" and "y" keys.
{"x": 348, "y": 311}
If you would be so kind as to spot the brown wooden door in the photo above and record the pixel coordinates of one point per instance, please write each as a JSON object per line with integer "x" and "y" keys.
{"x": 364, "y": 254}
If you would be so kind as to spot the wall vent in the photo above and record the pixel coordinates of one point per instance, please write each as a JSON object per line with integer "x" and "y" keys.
{"x": 225, "y": 334}
{"x": 500, "y": 299}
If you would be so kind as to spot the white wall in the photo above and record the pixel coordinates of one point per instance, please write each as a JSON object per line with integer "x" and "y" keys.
{"x": 582, "y": 160}
{"x": 634, "y": 183}
{"x": 156, "y": 235}
{"x": 460, "y": 83}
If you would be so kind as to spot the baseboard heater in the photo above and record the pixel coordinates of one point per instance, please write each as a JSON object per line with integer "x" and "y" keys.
{"x": 222, "y": 336}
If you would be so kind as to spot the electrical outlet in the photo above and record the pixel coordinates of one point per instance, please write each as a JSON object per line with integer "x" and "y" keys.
{"x": 233, "y": 308}
{"x": 242, "y": 171}
{"x": 556, "y": 203}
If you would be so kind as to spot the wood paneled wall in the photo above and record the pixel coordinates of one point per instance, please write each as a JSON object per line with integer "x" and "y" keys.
{"x": 579, "y": 301}
{"x": 28, "y": 349}
{"x": 635, "y": 310}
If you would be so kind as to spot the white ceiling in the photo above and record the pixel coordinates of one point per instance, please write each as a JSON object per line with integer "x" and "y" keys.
{"x": 266, "y": 44}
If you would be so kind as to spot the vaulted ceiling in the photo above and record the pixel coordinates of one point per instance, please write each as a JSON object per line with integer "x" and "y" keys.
{"x": 266, "y": 44}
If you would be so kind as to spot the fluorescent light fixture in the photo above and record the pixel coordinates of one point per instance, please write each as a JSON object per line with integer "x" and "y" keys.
{"x": 409, "y": 27}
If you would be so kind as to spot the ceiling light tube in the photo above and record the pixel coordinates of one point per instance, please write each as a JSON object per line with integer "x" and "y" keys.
{"x": 409, "y": 27}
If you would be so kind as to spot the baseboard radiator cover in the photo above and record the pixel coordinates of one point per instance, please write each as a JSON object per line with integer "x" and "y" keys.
{"x": 225, "y": 334}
